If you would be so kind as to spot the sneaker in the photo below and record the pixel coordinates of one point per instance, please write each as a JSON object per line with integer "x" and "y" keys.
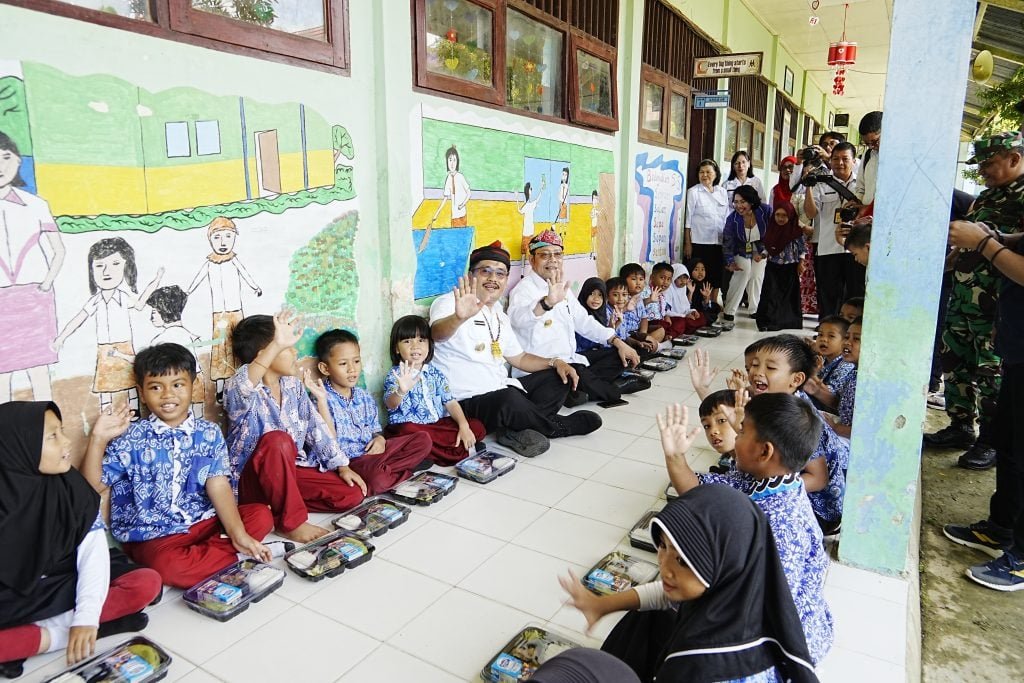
{"x": 579, "y": 423}
{"x": 1005, "y": 573}
{"x": 983, "y": 536}
{"x": 978, "y": 457}
{"x": 526, "y": 442}
{"x": 937, "y": 400}
{"x": 576, "y": 398}
{"x": 956, "y": 435}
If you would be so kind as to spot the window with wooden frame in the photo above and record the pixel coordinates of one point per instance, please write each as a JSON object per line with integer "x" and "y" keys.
{"x": 669, "y": 46}
{"x": 785, "y": 134}
{"x": 310, "y": 33}
{"x": 757, "y": 149}
{"x": 549, "y": 59}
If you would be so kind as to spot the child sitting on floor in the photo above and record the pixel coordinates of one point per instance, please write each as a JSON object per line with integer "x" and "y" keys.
{"x": 625, "y": 321}
{"x": 417, "y": 396}
{"x": 703, "y": 296}
{"x": 60, "y": 587}
{"x": 634, "y": 277}
{"x": 282, "y": 451}
{"x": 171, "y": 502}
{"x": 776, "y": 434}
{"x": 852, "y": 308}
{"x": 382, "y": 463}
{"x": 653, "y": 298}
{"x": 594, "y": 298}
{"x": 828, "y": 343}
{"x": 722, "y": 609}
{"x": 840, "y": 397}
{"x": 782, "y": 364}
{"x": 714, "y": 418}
{"x": 680, "y": 317}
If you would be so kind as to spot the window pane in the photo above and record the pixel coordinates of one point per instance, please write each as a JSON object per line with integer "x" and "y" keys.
{"x": 677, "y": 113}
{"x": 176, "y": 133}
{"x": 459, "y": 40}
{"x": 534, "y": 64}
{"x": 300, "y": 17}
{"x": 654, "y": 96}
{"x": 758, "y": 150}
{"x": 746, "y": 134}
{"x": 133, "y": 9}
{"x": 207, "y": 138}
{"x": 731, "y": 129}
{"x": 595, "y": 81}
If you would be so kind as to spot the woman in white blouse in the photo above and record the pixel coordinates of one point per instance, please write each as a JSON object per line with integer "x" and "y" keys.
{"x": 707, "y": 205}
{"x": 740, "y": 174}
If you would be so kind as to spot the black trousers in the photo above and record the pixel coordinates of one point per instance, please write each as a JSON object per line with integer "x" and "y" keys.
{"x": 1006, "y": 507}
{"x": 510, "y": 408}
{"x": 780, "y": 298}
{"x": 936, "y": 374}
{"x": 640, "y": 639}
{"x": 596, "y": 379}
{"x": 838, "y": 278}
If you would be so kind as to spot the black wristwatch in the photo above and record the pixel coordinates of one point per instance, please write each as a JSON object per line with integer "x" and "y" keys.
{"x": 544, "y": 304}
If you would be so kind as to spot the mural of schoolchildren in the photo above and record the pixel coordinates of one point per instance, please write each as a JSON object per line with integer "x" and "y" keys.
{"x": 527, "y": 208}
{"x": 166, "y": 305}
{"x": 112, "y": 282}
{"x": 563, "y": 197}
{"x": 456, "y": 190}
{"x": 31, "y": 255}
{"x": 224, "y": 272}
{"x": 595, "y": 215}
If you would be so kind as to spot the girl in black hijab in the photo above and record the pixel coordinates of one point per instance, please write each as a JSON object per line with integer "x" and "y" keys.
{"x": 724, "y": 610}
{"x": 56, "y": 567}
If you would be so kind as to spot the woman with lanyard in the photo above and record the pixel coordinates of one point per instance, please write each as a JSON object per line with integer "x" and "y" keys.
{"x": 707, "y": 205}
{"x": 744, "y": 250}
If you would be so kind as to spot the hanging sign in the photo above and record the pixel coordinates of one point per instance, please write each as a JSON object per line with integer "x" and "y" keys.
{"x": 725, "y": 66}
{"x": 713, "y": 99}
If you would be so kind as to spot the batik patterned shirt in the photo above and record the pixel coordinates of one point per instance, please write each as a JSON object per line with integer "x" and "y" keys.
{"x": 630, "y": 321}
{"x": 847, "y": 395}
{"x": 835, "y": 372}
{"x": 657, "y": 308}
{"x": 157, "y": 477}
{"x": 425, "y": 402}
{"x": 828, "y": 502}
{"x": 356, "y": 419}
{"x": 785, "y": 503}
{"x": 252, "y": 412}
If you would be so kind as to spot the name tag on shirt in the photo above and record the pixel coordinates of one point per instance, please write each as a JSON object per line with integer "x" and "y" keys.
{"x": 837, "y": 219}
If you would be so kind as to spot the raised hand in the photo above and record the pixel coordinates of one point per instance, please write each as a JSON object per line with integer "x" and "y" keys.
{"x": 582, "y": 599}
{"x": 407, "y": 377}
{"x": 111, "y": 423}
{"x": 737, "y": 380}
{"x": 557, "y": 288}
{"x": 737, "y": 411}
{"x": 314, "y": 385}
{"x": 285, "y": 334}
{"x": 676, "y": 434}
{"x": 706, "y": 291}
{"x": 467, "y": 303}
{"x": 701, "y": 372}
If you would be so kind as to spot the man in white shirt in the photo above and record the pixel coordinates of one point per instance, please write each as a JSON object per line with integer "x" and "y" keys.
{"x": 473, "y": 340}
{"x": 547, "y": 317}
{"x": 870, "y": 129}
{"x": 837, "y": 275}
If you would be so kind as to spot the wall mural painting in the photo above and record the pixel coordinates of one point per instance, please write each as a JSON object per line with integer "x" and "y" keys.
{"x": 660, "y": 196}
{"x": 159, "y": 216}
{"x": 482, "y": 185}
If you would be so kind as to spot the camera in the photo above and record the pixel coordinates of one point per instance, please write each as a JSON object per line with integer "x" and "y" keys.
{"x": 809, "y": 156}
{"x": 816, "y": 176}
{"x": 847, "y": 214}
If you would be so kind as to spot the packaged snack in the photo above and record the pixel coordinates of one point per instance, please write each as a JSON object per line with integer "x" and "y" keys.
{"x": 659, "y": 364}
{"x": 425, "y": 488}
{"x": 522, "y": 655}
{"x": 373, "y": 517}
{"x": 640, "y": 534}
{"x": 617, "y": 572}
{"x": 329, "y": 555}
{"x": 485, "y": 466}
{"x": 138, "y": 660}
{"x": 230, "y": 591}
{"x": 684, "y": 340}
{"x": 673, "y": 353}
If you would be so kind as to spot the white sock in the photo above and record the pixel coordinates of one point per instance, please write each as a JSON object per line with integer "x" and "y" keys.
{"x": 58, "y": 627}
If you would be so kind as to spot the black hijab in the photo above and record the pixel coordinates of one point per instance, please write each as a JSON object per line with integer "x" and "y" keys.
{"x": 745, "y": 622}
{"x": 584, "y": 665}
{"x": 43, "y": 517}
{"x": 589, "y": 285}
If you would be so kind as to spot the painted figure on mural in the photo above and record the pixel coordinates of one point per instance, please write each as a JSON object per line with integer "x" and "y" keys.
{"x": 527, "y": 209}
{"x": 456, "y": 191}
{"x": 563, "y": 199}
{"x": 224, "y": 273}
{"x": 166, "y": 306}
{"x": 595, "y": 216}
{"x": 113, "y": 277}
{"x": 31, "y": 255}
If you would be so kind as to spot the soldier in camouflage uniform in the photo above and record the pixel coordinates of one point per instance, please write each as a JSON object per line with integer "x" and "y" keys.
{"x": 971, "y": 368}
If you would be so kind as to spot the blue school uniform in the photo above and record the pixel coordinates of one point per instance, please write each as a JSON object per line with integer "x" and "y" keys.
{"x": 630, "y": 322}
{"x": 356, "y": 420}
{"x": 835, "y": 373}
{"x": 157, "y": 477}
{"x": 847, "y": 394}
{"x": 425, "y": 402}
{"x": 799, "y": 543}
{"x": 828, "y": 502}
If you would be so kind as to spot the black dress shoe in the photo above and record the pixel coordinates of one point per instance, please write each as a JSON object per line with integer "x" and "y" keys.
{"x": 728, "y": 318}
{"x": 12, "y": 669}
{"x": 956, "y": 435}
{"x": 576, "y": 398}
{"x": 630, "y": 384}
{"x": 978, "y": 457}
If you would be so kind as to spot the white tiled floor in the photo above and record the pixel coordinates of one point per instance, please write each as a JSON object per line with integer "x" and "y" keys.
{"x": 450, "y": 586}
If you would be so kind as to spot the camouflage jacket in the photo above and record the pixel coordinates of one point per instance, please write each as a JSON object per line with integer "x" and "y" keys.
{"x": 975, "y": 282}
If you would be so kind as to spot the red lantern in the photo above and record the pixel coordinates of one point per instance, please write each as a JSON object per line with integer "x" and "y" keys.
{"x": 842, "y": 53}
{"x": 452, "y": 35}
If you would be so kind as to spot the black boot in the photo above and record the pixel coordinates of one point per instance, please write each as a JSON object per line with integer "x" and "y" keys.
{"x": 956, "y": 435}
{"x": 978, "y": 457}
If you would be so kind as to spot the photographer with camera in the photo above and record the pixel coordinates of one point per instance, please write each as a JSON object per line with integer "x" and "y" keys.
{"x": 837, "y": 275}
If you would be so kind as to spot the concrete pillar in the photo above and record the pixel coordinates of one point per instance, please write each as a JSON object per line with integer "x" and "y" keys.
{"x": 924, "y": 94}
